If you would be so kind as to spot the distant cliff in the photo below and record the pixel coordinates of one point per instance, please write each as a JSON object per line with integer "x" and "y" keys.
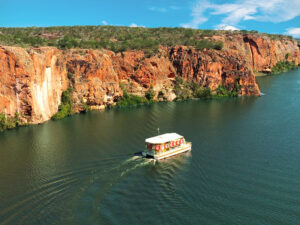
{"x": 33, "y": 79}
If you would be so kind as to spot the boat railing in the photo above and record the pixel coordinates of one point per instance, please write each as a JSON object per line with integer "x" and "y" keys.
{"x": 189, "y": 143}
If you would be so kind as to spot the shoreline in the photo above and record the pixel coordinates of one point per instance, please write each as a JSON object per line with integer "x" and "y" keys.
{"x": 116, "y": 108}
{"x": 151, "y": 102}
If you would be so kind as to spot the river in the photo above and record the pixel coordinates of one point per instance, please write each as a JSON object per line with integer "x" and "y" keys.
{"x": 243, "y": 168}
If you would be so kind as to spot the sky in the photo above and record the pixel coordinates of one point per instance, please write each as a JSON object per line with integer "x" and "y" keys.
{"x": 270, "y": 16}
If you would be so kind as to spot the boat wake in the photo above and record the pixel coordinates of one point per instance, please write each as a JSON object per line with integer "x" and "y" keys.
{"x": 48, "y": 199}
{"x": 137, "y": 162}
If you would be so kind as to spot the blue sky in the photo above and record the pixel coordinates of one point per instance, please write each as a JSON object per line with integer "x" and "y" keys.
{"x": 271, "y": 16}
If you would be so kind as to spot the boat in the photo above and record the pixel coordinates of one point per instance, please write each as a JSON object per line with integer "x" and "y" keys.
{"x": 166, "y": 145}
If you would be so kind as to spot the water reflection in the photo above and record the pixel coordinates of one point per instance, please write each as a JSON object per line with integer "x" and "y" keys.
{"x": 242, "y": 168}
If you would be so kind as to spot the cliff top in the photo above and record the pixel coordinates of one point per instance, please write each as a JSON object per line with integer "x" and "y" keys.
{"x": 119, "y": 39}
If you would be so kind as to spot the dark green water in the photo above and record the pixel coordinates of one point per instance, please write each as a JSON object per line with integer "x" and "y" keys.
{"x": 243, "y": 169}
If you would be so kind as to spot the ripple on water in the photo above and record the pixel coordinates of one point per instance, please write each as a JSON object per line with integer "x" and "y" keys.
{"x": 243, "y": 168}
{"x": 56, "y": 189}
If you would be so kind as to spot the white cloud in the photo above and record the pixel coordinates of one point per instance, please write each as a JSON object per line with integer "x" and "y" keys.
{"x": 164, "y": 9}
{"x": 104, "y": 22}
{"x": 225, "y": 27}
{"x": 233, "y": 13}
{"x": 173, "y": 7}
{"x": 135, "y": 25}
{"x": 197, "y": 14}
{"x": 157, "y": 9}
{"x": 295, "y": 32}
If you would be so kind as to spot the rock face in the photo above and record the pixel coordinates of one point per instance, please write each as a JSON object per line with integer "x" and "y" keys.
{"x": 261, "y": 52}
{"x": 32, "y": 80}
{"x": 213, "y": 68}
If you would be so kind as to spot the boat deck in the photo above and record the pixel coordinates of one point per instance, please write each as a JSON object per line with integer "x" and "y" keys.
{"x": 180, "y": 149}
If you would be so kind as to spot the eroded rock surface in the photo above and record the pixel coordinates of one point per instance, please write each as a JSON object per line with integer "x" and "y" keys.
{"x": 32, "y": 80}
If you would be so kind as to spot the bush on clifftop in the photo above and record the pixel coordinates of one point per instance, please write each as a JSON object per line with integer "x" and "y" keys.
{"x": 207, "y": 44}
{"x": 117, "y": 39}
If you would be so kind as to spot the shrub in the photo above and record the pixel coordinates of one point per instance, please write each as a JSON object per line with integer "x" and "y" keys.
{"x": 183, "y": 94}
{"x": 203, "y": 93}
{"x": 178, "y": 80}
{"x": 86, "y": 107}
{"x": 132, "y": 100}
{"x": 9, "y": 122}
{"x": 67, "y": 43}
{"x": 194, "y": 86}
{"x": 160, "y": 94}
{"x": 222, "y": 91}
{"x": 70, "y": 76}
{"x": 66, "y": 107}
{"x": 218, "y": 45}
{"x": 205, "y": 43}
{"x": 236, "y": 89}
{"x": 117, "y": 39}
{"x": 125, "y": 93}
{"x": 283, "y": 66}
{"x": 287, "y": 56}
{"x": 202, "y": 44}
{"x": 150, "y": 94}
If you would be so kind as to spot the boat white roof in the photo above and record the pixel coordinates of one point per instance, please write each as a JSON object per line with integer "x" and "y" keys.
{"x": 160, "y": 139}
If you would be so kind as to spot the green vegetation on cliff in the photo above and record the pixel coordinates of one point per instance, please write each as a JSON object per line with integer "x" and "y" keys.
{"x": 134, "y": 100}
{"x": 200, "y": 92}
{"x": 186, "y": 90}
{"x": 182, "y": 89}
{"x": 117, "y": 39}
{"x": 150, "y": 94}
{"x": 283, "y": 66}
{"x": 65, "y": 108}
{"x": 7, "y": 123}
{"x": 222, "y": 91}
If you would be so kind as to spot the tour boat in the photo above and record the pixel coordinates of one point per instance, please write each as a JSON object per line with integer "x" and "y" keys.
{"x": 166, "y": 145}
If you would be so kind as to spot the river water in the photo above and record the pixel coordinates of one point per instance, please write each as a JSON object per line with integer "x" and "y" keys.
{"x": 243, "y": 168}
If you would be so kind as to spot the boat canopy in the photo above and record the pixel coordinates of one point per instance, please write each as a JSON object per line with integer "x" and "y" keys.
{"x": 164, "y": 138}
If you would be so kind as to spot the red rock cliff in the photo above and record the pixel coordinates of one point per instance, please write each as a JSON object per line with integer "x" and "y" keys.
{"x": 32, "y": 80}
{"x": 261, "y": 52}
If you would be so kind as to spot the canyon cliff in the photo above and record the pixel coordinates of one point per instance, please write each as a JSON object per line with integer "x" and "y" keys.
{"x": 33, "y": 79}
